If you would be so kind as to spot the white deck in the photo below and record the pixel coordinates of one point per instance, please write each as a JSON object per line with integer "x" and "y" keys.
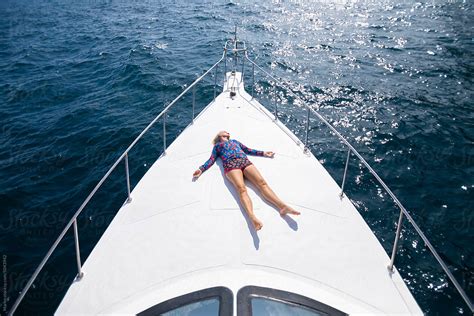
{"x": 178, "y": 236}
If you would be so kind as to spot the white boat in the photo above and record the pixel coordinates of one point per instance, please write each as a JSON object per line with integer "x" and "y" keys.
{"x": 184, "y": 247}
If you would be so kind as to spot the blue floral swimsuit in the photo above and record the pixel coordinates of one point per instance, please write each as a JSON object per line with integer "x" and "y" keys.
{"x": 233, "y": 155}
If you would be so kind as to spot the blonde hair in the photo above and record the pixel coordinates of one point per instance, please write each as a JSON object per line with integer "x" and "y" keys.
{"x": 216, "y": 138}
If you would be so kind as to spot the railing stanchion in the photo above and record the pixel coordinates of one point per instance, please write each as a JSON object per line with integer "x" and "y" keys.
{"x": 253, "y": 79}
{"x": 194, "y": 100}
{"x": 307, "y": 132}
{"x": 225, "y": 66}
{"x": 215, "y": 84}
{"x": 127, "y": 174}
{"x": 243, "y": 68}
{"x": 345, "y": 172}
{"x": 395, "y": 243}
{"x": 78, "y": 254}
{"x": 164, "y": 133}
{"x": 234, "y": 67}
{"x": 276, "y": 105}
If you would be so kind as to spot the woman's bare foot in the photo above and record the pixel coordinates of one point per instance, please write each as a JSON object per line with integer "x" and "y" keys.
{"x": 256, "y": 223}
{"x": 288, "y": 210}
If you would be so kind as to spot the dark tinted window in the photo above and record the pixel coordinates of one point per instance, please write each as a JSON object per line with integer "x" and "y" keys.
{"x": 201, "y": 308}
{"x": 269, "y": 307}
{"x": 262, "y": 301}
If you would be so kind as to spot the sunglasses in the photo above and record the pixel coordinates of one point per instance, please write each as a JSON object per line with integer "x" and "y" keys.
{"x": 225, "y": 136}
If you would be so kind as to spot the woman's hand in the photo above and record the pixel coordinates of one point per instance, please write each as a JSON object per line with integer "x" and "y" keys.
{"x": 197, "y": 173}
{"x": 269, "y": 154}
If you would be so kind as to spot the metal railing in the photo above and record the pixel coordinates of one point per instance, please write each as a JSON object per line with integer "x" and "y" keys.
{"x": 352, "y": 150}
{"x": 123, "y": 157}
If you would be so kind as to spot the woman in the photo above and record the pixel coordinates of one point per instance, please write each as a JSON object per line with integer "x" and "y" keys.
{"x": 236, "y": 167}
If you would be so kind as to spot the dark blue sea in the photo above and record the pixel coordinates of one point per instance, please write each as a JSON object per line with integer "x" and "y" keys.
{"x": 79, "y": 80}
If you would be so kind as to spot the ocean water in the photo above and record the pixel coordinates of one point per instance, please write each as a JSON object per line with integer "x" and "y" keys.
{"x": 79, "y": 81}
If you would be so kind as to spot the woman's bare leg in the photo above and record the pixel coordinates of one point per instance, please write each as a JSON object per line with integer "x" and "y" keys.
{"x": 236, "y": 177}
{"x": 254, "y": 176}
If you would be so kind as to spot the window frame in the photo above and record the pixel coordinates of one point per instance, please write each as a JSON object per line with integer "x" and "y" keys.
{"x": 245, "y": 295}
{"x": 223, "y": 294}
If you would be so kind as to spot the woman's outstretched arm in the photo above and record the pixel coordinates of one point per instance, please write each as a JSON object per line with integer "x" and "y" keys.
{"x": 207, "y": 164}
{"x": 250, "y": 151}
{"x": 210, "y": 161}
